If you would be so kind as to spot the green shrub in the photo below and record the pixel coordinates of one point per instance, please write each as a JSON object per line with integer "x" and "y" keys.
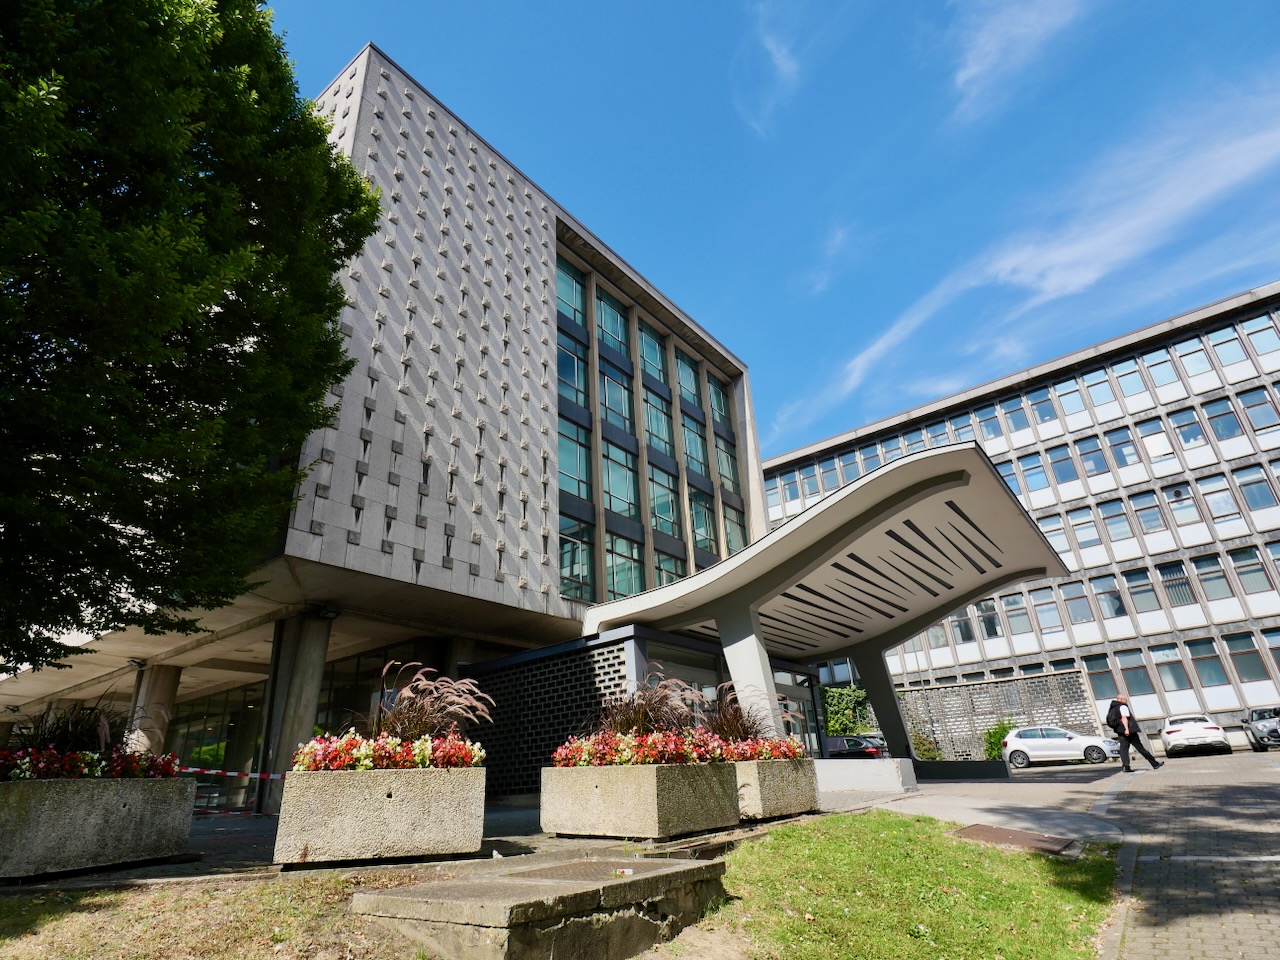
{"x": 924, "y": 746}
{"x": 993, "y": 739}
{"x": 846, "y": 710}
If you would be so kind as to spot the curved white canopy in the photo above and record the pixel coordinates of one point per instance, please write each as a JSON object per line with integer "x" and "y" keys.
{"x": 871, "y": 564}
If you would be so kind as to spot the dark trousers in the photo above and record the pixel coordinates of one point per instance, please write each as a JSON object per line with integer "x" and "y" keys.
{"x": 1135, "y": 740}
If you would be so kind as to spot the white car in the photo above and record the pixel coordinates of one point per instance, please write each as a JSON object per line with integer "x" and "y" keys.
{"x": 1024, "y": 746}
{"x": 1192, "y": 730}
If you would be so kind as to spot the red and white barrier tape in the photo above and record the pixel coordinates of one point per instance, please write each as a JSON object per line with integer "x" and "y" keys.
{"x": 232, "y": 773}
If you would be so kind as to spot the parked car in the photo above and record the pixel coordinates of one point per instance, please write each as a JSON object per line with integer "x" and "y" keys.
{"x": 1179, "y": 734}
{"x": 1024, "y": 746}
{"x": 1260, "y": 728}
{"x": 857, "y": 747}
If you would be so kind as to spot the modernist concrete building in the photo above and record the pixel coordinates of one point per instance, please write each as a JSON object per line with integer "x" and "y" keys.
{"x": 1152, "y": 464}
{"x": 531, "y": 429}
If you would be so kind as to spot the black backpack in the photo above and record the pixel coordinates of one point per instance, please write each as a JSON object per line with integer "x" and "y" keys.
{"x": 1113, "y": 717}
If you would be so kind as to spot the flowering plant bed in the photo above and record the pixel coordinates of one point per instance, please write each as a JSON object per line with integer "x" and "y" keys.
{"x": 50, "y": 763}
{"x": 351, "y": 751}
{"x": 605, "y": 748}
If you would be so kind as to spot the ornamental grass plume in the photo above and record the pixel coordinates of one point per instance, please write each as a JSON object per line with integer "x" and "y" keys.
{"x": 428, "y": 705}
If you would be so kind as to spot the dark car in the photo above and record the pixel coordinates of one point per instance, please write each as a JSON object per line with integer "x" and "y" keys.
{"x": 857, "y": 748}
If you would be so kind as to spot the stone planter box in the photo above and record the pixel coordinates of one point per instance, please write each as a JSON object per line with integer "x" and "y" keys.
{"x": 53, "y": 825}
{"x": 647, "y": 801}
{"x": 775, "y": 788}
{"x": 330, "y": 815}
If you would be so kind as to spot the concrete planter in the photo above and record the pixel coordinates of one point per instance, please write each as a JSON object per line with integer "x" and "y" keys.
{"x": 775, "y": 788}
{"x": 54, "y": 825}
{"x": 330, "y": 815}
{"x": 648, "y": 801}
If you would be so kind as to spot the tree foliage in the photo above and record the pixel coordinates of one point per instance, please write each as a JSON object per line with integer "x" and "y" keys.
{"x": 847, "y": 711}
{"x": 171, "y": 220}
{"x": 993, "y": 738}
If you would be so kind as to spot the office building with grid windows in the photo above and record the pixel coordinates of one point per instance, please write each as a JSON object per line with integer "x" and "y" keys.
{"x": 1151, "y": 463}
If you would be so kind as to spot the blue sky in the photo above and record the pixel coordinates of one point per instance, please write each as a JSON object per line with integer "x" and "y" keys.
{"x": 873, "y": 204}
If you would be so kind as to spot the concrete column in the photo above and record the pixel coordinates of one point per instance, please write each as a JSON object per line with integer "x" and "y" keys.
{"x": 6, "y": 731}
{"x": 874, "y": 673}
{"x": 748, "y": 662}
{"x": 152, "y": 707}
{"x": 302, "y": 647}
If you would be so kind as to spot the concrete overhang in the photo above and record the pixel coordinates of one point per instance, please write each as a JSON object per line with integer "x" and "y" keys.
{"x": 872, "y": 564}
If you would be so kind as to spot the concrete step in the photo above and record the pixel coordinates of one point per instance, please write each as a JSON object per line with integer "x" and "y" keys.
{"x": 607, "y": 908}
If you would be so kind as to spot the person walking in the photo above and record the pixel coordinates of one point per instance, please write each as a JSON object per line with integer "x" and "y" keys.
{"x": 1120, "y": 719}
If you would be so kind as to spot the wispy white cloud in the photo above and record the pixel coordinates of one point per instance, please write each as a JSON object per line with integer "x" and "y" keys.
{"x": 1142, "y": 197}
{"x": 1000, "y": 39}
{"x": 838, "y": 247}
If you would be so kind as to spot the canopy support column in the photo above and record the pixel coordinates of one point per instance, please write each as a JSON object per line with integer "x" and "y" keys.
{"x": 748, "y": 661}
{"x": 874, "y": 674}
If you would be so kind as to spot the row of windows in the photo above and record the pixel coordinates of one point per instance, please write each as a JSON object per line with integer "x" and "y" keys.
{"x": 613, "y": 330}
{"x": 1096, "y": 393}
{"x": 1212, "y": 497}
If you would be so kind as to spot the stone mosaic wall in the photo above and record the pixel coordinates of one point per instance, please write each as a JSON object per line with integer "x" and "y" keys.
{"x": 955, "y": 716}
{"x": 540, "y": 703}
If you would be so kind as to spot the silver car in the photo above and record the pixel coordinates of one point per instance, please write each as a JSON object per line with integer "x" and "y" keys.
{"x": 1024, "y": 746}
{"x": 1260, "y": 728}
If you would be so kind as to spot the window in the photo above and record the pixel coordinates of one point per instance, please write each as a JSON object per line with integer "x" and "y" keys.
{"x": 1116, "y": 520}
{"x": 1245, "y": 657}
{"x": 1169, "y": 666}
{"x": 1181, "y": 504}
{"x": 1042, "y": 407}
{"x": 963, "y": 427}
{"x": 574, "y": 456}
{"x": 569, "y": 295}
{"x": 1147, "y": 510}
{"x": 892, "y": 447}
{"x": 1217, "y": 497}
{"x": 1186, "y": 426}
{"x": 1222, "y": 419}
{"x": 735, "y": 529}
{"x": 914, "y": 439}
{"x": 577, "y": 569}
{"x": 1260, "y": 410}
{"x": 1194, "y": 360}
{"x": 657, "y": 423}
{"x": 809, "y": 481}
{"x": 1069, "y": 398}
{"x": 1249, "y": 570}
{"x": 611, "y": 322}
{"x": 615, "y": 397}
{"x": 791, "y": 486}
{"x": 1099, "y": 388}
{"x": 962, "y": 627}
{"x": 1261, "y": 334}
{"x": 1205, "y": 661}
{"x": 702, "y": 517}
{"x": 827, "y": 470}
{"x": 772, "y": 492}
{"x": 1053, "y": 531}
{"x": 1160, "y": 367}
{"x": 1123, "y": 452}
{"x": 1129, "y": 377}
{"x": 1155, "y": 440}
{"x": 1047, "y": 615}
{"x": 571, "y": 367}
{"x": 653, "y": 352}
{"x": 1107, "y": 591}
{"x": 719, "y": 395}
{"x": 1101, "y": 679}
{"x": 1213, "y": 579}
{"x": 1014, "y": 415}
{"x": 1176, "y": 585}
{"x": 1078, "y": 609}
{"x": 1273, "y": 641}
{"x": 1060, "y": 665}
{"x": 937, "y": 636}
{"x": 1082, "y": 525}
{"x": 667, "y": 569}
{"x": 1141, "y": 592}
{"x": 1064, "y": 468}
{"x": 1226, "y": 345}
{"x": 1015, "y": 611}
{"x": 1031, "y": 669}
{"x": 621, "y": 481}
{"x": 727, "y": 464}
{"x": 938, "y": 435}
{"x": 988, "y": 619}
{"x": 1255, "y": 487}
{"x": 1033, "y": 474}
{"x": 687, "y": 375}
{"x": 1006, "y": 471}
{"x": 695, "y": 445}
{"x": 1134, "y": 671}
{"x": 1091, "y": 456}
{"x": 849, "y": 466}
{"x": 664, "y": 502}
{"x": 1273, "y": 549}
{"x": 623, "y": 566}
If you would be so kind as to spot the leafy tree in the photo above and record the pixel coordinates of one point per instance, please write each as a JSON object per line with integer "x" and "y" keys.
{"x": 993, "y": 739}
{"x": 846, "y": 710}
{"x": 171, "y": 220}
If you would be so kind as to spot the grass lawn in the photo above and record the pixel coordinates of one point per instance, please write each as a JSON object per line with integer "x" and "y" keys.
{"x": 885, "y": 887}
